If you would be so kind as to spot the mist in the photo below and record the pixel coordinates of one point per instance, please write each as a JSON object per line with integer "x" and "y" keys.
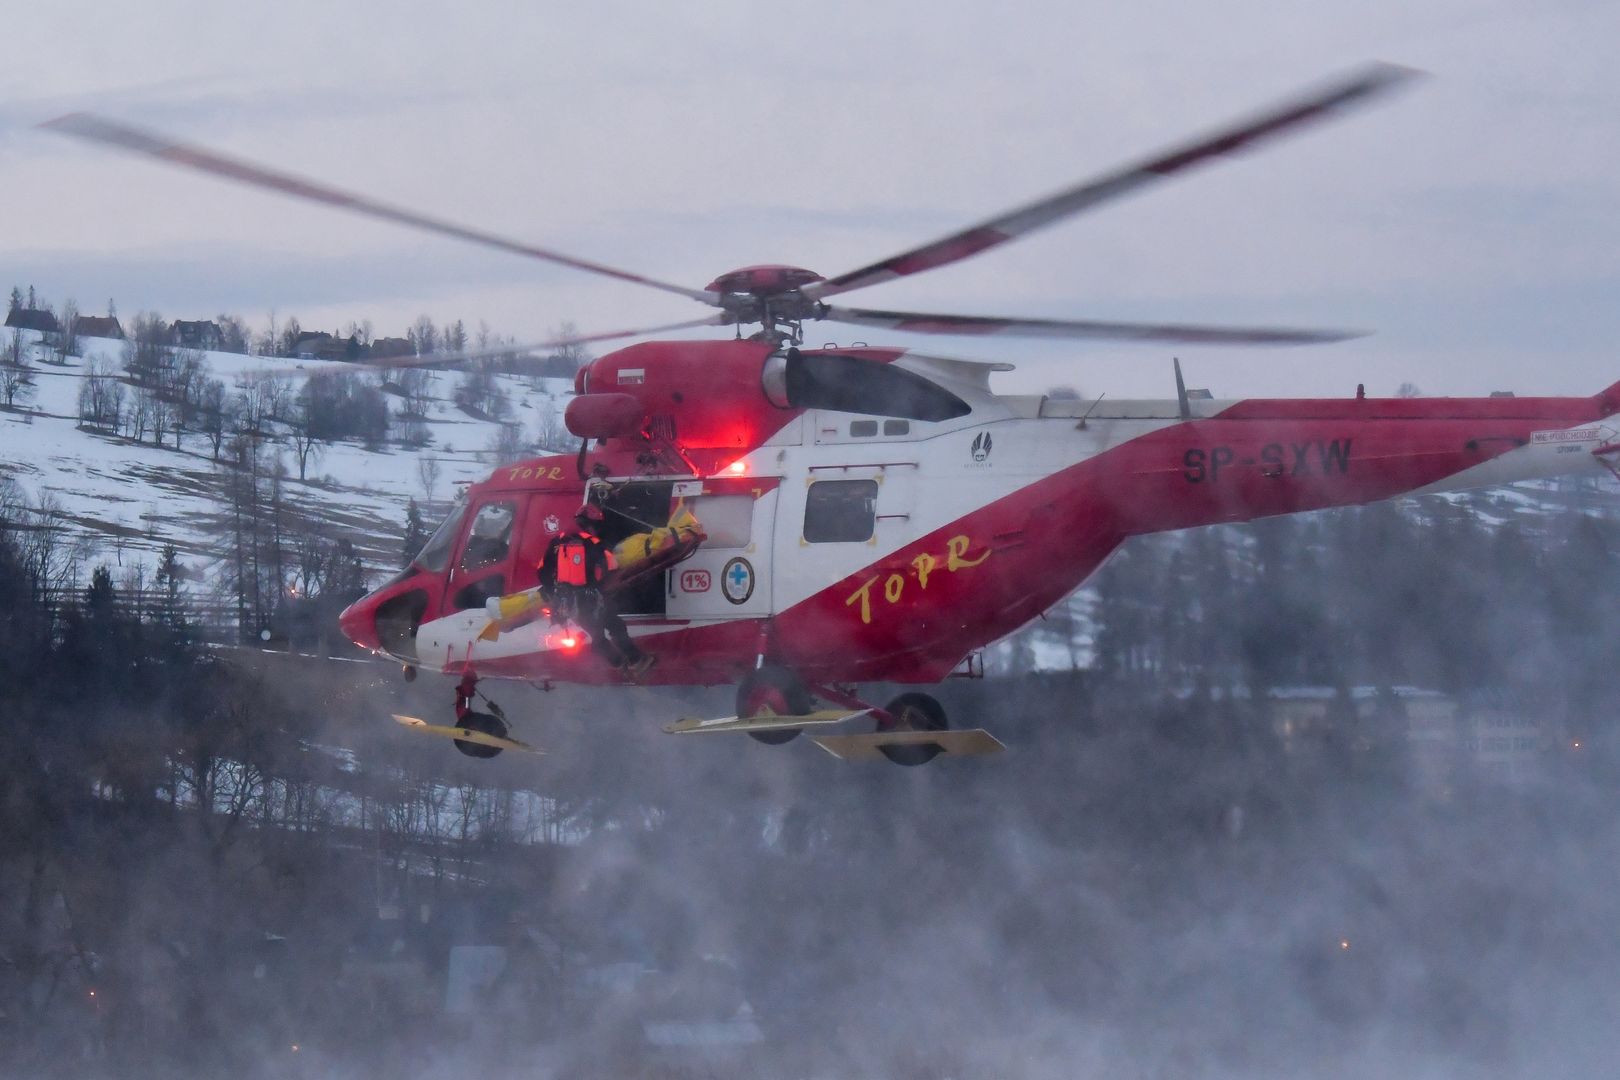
{"x": 1266, "y": 832}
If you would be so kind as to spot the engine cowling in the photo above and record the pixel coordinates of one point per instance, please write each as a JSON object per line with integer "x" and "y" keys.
{"x": 605, "y": 416}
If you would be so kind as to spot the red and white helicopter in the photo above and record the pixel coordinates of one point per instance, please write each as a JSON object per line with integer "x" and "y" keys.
{"x": 871, "y": 514}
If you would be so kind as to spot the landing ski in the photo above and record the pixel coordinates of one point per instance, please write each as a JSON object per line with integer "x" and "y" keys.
{"x": 765, "y": 721}
{"x": 465, "y": 735}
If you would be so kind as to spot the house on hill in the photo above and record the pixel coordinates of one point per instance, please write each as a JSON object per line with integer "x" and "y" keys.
{"x": 198, "y": 334}
{"x": 386, "y": 347}
{"x": 319, "y": 345}
{"x": 31, "y": 319}
{"x": 101, "y": 326}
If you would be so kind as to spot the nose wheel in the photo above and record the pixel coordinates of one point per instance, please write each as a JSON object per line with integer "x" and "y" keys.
{"x": 491, "y": 723}
{"x": 484, "y": 724}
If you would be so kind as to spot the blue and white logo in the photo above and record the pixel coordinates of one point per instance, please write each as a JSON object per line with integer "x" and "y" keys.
{"x": 737, "y": 581}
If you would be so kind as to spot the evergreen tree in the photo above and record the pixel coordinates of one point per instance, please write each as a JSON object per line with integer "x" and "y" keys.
{"x": 100, "y": 599}
{"x": 415, "y": 533}
{"x": 169, "y": 573}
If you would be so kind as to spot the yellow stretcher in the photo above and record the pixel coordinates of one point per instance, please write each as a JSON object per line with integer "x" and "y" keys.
{"x": 658, "y": 549}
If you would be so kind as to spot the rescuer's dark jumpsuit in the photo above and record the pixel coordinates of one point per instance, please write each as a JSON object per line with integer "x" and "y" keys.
{"x": 571, "y": 575}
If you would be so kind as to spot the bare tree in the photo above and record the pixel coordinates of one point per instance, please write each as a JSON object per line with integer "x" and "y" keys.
{"x": 414, "y": 433}
{"x": 306, "y": 444}
{"x": 481, "y": 393}
{"x": 138, "y": 417}
{"x": 233, "y": 334}
{"x": 147, "y": 355}
{"x": 427, "y": 471}
{"x": 415, "y": 386}
{"x": 67, "y": 338}
{"x": 290, "y": 333}
{"x": 101, "y": 397}
{"x": 553, "y": 434}
{"x": 424, "y": 336}
{"x": 186, "y": 379}
{"x": 570, "y": 358}
{"x": 162, "y": 415}
{"x": 260, "y": 398}
{"x": 267, "y": 343}
{"x": 16, "y": 382}
{"x": 214, "y": 411}
{"x": 506, "y": 445}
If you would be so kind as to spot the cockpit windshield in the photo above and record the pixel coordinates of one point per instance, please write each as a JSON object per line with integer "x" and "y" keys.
{"x": 436, "y": 555}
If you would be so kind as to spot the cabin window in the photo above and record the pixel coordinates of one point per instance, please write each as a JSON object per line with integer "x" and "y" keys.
{"x": 827, "y": 380}
{"x": 727, "y": 520}
{"x": 840, "y": 511}
{"x": 897, "y": 427}
{"x": 490, "y": 537}
{"x": 436, "y": 554}
{"x": 862, "y": 429}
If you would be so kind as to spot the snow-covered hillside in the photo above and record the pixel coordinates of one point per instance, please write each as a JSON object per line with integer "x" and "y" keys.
{"x": 122, "y": 501}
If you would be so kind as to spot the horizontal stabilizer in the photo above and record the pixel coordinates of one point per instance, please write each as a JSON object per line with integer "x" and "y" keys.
{"x": 465, "y": 735}
{"x": 767, "y": 721}
{"x": 973, "y": 743}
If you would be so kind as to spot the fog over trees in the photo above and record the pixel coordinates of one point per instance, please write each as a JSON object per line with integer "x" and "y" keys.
{"x": 1232, "y": 847}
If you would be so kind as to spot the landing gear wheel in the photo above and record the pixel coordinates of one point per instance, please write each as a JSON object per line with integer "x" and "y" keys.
{"x": 485, "y": 724}
{"x": 914, "y": 712}
{"x": 777, "y": 689}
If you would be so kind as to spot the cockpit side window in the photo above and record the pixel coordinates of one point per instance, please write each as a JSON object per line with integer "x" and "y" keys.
{"x": 490, "y": 537}
{"x": 435, "y": 555}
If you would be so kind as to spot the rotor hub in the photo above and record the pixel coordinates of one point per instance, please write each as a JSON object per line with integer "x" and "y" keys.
{"x": 770, "y": 295}
{"x": 764, "y": 280}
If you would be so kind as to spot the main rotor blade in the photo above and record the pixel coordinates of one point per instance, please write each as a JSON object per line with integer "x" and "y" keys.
{"x": 1174, "y": 333}
{"x": 389, "y": 363}
{"x": 98, "y": 129}
{"x": 1287, "y": 116}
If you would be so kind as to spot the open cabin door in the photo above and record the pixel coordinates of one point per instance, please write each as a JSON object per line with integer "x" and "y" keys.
{"x": 729, "y": 576}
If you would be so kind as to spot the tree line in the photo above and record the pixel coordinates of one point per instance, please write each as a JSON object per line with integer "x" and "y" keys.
{"x": 238, "y": 858}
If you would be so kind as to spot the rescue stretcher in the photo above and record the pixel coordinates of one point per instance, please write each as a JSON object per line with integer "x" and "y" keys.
{"x": 635, "y": 558}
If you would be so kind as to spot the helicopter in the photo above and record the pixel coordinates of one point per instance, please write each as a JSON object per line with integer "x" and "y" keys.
{"x": 828, "y": 517}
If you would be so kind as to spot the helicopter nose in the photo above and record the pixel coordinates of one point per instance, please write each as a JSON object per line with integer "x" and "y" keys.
{"x": 359, "y": 623}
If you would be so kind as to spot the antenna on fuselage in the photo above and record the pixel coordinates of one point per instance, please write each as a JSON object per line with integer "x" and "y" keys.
{"x": 1181, "y": 390}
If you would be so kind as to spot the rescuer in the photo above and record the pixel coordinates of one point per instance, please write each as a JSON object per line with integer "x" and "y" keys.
{"x": 575, "y": 566}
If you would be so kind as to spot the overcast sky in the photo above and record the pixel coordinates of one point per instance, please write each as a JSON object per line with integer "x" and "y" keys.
{"x": 1471, "y": 222}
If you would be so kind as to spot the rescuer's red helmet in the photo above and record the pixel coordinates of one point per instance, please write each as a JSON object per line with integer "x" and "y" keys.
{"x": 589, "y": 514}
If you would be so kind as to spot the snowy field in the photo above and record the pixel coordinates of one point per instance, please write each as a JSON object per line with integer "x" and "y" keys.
{"x": 122, "y": 501}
